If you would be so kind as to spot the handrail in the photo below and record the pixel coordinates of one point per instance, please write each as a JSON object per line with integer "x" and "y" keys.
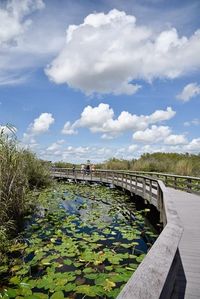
{"x": 166, "y": 174}
{"x": 185, "y": 183}
{"x": 151, "y": 279}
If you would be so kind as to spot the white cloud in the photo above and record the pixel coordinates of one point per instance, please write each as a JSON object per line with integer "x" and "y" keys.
{"x": 157, "y": 134}
{"x": 55, "y": 146}
{"x": 121, "y": 52}
{"x": 161, "y": 115}
{"x": 175, "y": 139}
{"x": 195, "y": 122}
{"x": 101, "y": 119}
{"x": 95, "y": 118}
{"x": 189, "y": 91}
{"x": 132, "y": 148}
{"x": 41, "y": 124}
{"x": 80, "y": 154}
{"x": 68, "y": 129}
{"x": 193, "y": 145}
{"x": 27, "y": 39}
{"x": 152, "y": 135}
{"x": 14, "y": 21}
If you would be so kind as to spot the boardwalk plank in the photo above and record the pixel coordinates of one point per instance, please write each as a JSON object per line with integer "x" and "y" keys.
{"x": 188, "y": 208}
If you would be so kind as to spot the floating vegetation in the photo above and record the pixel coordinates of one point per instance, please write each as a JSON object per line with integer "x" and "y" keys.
{"x": 85, "y": 242}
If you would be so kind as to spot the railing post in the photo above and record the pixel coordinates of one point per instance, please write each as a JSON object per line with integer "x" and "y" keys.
{"x": 175, "y": 182}
{"x": 189, "y": 181}
{"x": 131, "y": 183}
{"x": 144, "y": 188}
{"x": 150, "y": 190}
{"x": 166, "y": 180}
{"x": 136, "y": 185}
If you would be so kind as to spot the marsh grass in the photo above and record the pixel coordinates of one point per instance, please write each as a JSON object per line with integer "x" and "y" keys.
{"x": 20, "y": 172}
{"x": 174, "y": 163}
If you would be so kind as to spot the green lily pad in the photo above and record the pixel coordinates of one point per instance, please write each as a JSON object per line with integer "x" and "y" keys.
{"x": 58, "y": 295}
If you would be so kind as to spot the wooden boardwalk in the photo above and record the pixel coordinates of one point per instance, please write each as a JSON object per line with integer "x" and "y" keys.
{"x": 188, "y": 209}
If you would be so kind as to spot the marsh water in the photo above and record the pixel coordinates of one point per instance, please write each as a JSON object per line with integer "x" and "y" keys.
{"x": 85, "y": 241}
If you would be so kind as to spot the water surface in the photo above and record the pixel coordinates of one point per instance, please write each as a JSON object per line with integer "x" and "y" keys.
{"x": 85, "y": 242}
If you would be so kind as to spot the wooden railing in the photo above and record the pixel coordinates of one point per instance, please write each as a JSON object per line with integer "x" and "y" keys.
{"x": 156, "y": 275}
{"x": 185, "y": 183}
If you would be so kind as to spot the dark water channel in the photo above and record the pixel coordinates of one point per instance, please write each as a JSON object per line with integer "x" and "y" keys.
{"x": 85, "y": 242}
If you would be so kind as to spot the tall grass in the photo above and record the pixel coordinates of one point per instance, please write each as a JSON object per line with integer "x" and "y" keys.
{"x": 20, "y": 172}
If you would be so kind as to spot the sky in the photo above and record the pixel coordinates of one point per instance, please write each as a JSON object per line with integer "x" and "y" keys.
{"x": 96, "y": 79}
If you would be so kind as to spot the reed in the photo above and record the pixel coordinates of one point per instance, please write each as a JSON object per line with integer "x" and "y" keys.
{"x": 20, "y": 172}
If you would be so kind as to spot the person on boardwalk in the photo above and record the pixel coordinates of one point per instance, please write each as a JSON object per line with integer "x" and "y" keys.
{"x": 83, "y": 168}
{"x": 88, "y": 167}
{"x": 73, "y": 169}
{"x": 93, "y": 168}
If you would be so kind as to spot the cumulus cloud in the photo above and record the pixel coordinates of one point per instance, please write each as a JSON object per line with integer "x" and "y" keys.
{"x": 189, "y": 91}
{"x": 175, "y": 139}
{"x": 157, "y": 134}
{"x": 101, "y": 119}
{"x": 108, "y": 53}
{"x": 41, "y": 124}
{"x": 152, "y": 135}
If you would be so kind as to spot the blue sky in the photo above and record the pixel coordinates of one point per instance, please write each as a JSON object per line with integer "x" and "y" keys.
{"x": 121, "y": 76}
